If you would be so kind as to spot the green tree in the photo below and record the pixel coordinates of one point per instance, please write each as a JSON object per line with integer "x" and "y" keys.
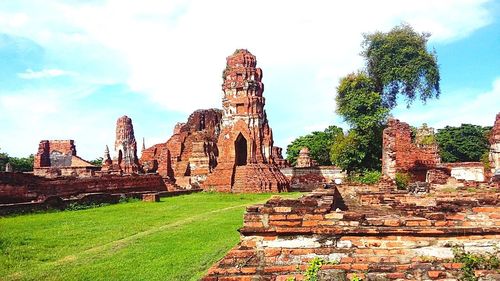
{"x": 348, "y": 152}
{"x": 398, "y": 62}
{"x": 361, "y": 107}
{"x": 97, "y": 162}
{"x": 467, "y": 143}
{"x": 4, "y": 158}
{"x": 319, "y": 144}
{"x": 22, "y": 164}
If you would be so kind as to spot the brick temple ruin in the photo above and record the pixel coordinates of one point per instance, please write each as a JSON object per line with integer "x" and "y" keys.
{"x": 419, "y": 156}
{"x": 307, "y": 175}
{"x": 125, "y": 159}
{"x": 494, "y": 155}
{"x": 376, "y": 232}
{"x": 228, "y": 150}
{"x": 56, "y": 158}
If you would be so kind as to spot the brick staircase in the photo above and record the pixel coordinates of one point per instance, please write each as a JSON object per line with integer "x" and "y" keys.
{"x": 257, "y": 178}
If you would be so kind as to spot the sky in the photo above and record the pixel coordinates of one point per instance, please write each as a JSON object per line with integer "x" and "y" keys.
{"x": 69, "y": 69}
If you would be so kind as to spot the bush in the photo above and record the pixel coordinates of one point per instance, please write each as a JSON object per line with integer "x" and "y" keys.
{"x": 485, "y": 159}
{"x": 77, "y": 207}
{"x": 367, "y": 177}
{"x": 475, "y": 261}
{"x": 402, "y": 180}
{"x": 371, "y": 177}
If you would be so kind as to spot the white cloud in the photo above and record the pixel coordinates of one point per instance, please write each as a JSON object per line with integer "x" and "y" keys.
{"x": 173, "y": 52}
{"x": 478, "y": 109}
{"x": 44, "y": 73}
{"x": 44, "y": 113}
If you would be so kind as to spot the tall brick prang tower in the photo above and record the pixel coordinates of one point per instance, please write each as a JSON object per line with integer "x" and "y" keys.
{"x": 126, "y": 146}
{"x": 245, "y": 162}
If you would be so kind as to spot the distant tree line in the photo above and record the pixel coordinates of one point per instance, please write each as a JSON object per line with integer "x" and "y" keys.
{"x": 22, "y": 164}
{"x": 466, "y": 143}
{"x": 397, "y": 64}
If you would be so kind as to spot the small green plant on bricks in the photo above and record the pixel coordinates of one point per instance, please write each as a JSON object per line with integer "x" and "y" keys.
{"x": 313, "y": 269}
{"x": 311, "y": 273}
{"x": 475, "y": 261}
{"x": 356, "y": 278}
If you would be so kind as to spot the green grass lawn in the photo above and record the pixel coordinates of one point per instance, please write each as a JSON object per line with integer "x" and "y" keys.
{"x": 178, "y": 238}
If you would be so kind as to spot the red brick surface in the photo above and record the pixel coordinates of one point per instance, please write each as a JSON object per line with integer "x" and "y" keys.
{"x": 19, "y": 187}
{"x": 398, "y": 236}
{"x": 401, "y": 154}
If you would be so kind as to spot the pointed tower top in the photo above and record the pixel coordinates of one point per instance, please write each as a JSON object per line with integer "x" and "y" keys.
{"x": 143, "y": 144}
{"x": 106, "y": 153}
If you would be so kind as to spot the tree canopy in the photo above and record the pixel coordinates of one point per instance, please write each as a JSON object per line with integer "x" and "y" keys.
{"x": 19, "y": 164}
{"x": 398, "y": 62}
{"x": 361, "y": 107}
{"x": 467, "y": 143}
{"x": 97, "y": 162}
{"x": 358, "y": 102}
{"x": 319, "y": 144}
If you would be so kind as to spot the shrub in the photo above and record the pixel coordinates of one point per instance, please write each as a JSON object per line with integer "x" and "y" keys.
{"x": 311, "y": 273}
{"x": 402, "y": 180}
{"x": 125, "y": 199}
{"x": 475, "y": 261}
{"x": 77, "y": 206}
{"x": 485, "y": 159}
{"x": 367, "y": 177}
{"x": 371, "y": 177}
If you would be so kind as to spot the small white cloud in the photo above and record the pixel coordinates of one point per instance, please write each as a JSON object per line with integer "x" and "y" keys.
{"x": 44, "y": 73}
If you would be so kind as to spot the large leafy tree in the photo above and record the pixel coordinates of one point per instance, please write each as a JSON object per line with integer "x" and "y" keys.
{"x": 398, "y": 62}
{"x": 319, "y": 144}
{"x": 463, "y": 144}
{"x": 361, "y": 107}
{"x": 348, "y": 152}
{"x": 359, "y": 103}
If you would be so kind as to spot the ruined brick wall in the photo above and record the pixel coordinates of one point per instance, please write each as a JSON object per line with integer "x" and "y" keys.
{"x": 54, "y": 153}
{"x": 191, "y": 153}
{"x": 278, "y": 159}
{"x": 156, "y": 159}
{"x": 318, "y": 174}
{"x": 245, "y": 162}
{"x": 494, "y": 155}
{"x": 19, "y": 187}
{"x": 401, "y": 154}
{"x": 438, "y": 175}
{"x": 54, "y": 172}
{"x": 375, "y": 242}
{"x": 57, "y": 158}
{"x": 467, "y": 171}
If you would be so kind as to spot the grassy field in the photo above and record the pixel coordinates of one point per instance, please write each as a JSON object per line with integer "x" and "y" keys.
{"x": 178, "y": 238}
